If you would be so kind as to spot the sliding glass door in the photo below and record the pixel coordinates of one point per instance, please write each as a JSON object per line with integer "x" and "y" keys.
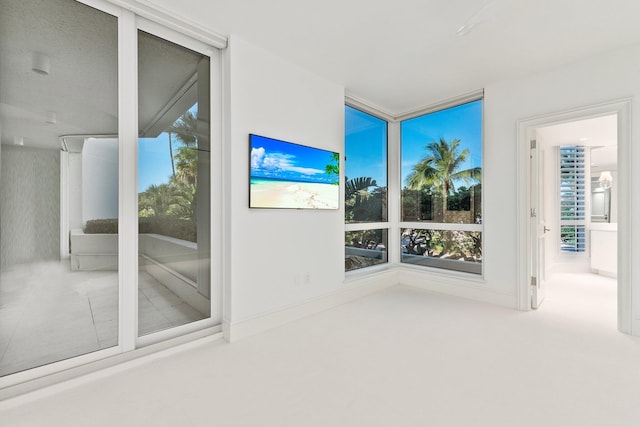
{"x": 105, "y": 184}
{"x": 174, "y": 285}
{"x": 59, "y": 121}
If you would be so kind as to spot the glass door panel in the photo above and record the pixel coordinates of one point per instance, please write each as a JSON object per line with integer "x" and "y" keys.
{"x": 58, "y": 182}
{"x": 173, "y": 185}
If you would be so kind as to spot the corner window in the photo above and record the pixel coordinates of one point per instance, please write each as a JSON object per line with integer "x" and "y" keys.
{"x": 365, "y": 190}
{"x": 441, "y": 197}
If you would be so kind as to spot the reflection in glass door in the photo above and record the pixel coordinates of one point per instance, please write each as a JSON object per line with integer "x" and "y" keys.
{"x": 59, "y": 186}
{"x": 173, "y": 185}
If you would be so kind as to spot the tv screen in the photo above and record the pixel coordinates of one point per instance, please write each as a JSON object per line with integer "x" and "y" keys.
{"x": 287, "y": 175}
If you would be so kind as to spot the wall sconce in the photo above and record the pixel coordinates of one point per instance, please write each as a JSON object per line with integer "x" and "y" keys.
{"x": 605, "y": 179}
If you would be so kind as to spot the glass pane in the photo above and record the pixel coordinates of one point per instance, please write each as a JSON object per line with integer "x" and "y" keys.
{"x": 59, "y": 194}
{"x": 173, "y": 185}
{"x": 365, "y": 167}
{"x": 442, "y": 166}
{"x": 447, "y": 249}
{"x": 364, "y": 248}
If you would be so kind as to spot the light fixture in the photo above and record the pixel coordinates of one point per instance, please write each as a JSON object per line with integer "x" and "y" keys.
{"x": 52, "y": 117}
{"x": 605, "y": 179}
{"x": 18, "y": 140}
{"x": 40, "y": 63}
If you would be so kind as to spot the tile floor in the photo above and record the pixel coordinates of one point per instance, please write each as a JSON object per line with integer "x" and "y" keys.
{"x": 49, "y": 313}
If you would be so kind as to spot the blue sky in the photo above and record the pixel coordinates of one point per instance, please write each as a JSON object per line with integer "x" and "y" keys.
{"x": 365, "y": 146}
{"x": 154, "y": 158}
{"x": 154, "y": 161}
{"x": 463, "y": 122}
{"x": 271, "y": 158}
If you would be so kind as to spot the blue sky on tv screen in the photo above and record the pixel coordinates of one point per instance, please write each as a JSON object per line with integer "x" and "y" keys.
{"x": 274, "y": 159}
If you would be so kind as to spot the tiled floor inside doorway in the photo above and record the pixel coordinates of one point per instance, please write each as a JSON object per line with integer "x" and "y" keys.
{"x": 49, "y": 313}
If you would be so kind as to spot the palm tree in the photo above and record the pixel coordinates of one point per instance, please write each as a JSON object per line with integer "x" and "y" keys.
{"x": 333, "y": 168}
{"x": 355, "y": 185}
{"x": 186, "y": 158}
{"x": 173, "y": 166}
{"x": 155, "y": 200}
{"x": 187, "y": 165}
{"x": 185, "y": 129}
{"x": 441, "y": 168}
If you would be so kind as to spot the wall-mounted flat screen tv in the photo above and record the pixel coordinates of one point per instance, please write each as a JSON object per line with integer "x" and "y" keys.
{"x": 286, "y": 175}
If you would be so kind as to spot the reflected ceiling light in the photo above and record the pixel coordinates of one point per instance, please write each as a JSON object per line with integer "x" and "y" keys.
{"x": 605, "y": 179}
{"x": 583, "y": 139}
{"x": 52, "y": 117}
{"x": 40, "y": 63}
{"x": 466, "y": 28}
{"x": 18, "y": 140}
{"x": 484, "y": 13}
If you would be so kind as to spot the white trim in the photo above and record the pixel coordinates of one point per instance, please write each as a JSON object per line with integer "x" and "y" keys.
{"x": 217, "y": 188}
{"x": 174, "y": 36}
{"x": 394, "y": 180}
{"x": 368, "y": 107}
{"x": 23, "y": 381}
{"x": 175, "y": 332}
{"x": 360, "y": 226}
{"x": 391, "y": 117}
{"x": 70, "y": 373}
{"x": 128, "y": 180}
{"x": 623, "y": 110}
{"x": 266, "y": 321}
{"x": 442, "y": 105}
{"x": 169, "y": 19}
{"x": 453, "y": 226}
{"x": 461, "y": 285}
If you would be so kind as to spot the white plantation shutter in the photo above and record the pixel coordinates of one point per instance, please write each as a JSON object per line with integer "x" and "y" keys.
{"x": 573, "y": 190}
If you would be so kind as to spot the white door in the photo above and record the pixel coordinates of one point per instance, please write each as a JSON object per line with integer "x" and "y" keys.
{"x": 539, "y": 228}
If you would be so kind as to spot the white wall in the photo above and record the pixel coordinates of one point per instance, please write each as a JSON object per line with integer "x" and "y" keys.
{"x": 603, "y": 78}
{"x": 271, "y": 252}
{"x": 29, "y": 205}
{"x": 272, "y": 97}
{"x": 99, "y": 179}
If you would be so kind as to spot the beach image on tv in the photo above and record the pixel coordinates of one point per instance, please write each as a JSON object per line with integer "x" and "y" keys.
{"x": 287, "y": 175}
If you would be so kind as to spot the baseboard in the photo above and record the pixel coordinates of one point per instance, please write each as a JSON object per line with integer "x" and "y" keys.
{"x": 47, "y": 385}
{"x": 469, "y": 288}
{"x": 234, "y": 331}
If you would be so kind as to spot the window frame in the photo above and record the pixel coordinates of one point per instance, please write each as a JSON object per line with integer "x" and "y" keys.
{"x": 428, "y": 225}
{"x": 373, "y": 225}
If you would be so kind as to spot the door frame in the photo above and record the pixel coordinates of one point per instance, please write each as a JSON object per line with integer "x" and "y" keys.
{"x": 622, "y": 108}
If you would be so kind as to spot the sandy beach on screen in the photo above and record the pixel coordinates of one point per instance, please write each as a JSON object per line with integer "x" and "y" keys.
{"x": 289, "y": 194}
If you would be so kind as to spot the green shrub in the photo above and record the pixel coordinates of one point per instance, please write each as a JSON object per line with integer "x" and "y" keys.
{"x": 172, "y": 227}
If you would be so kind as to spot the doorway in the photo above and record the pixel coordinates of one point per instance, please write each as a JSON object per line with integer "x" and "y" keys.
{"x": 560, "y": 241}
{"x": 576, "y": 221}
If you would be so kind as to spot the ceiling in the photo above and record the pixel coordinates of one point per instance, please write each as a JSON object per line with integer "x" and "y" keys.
{"x": 398, "y": 56}
{"x": 404, "y": 54}
{"x": 600, "y": 133}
